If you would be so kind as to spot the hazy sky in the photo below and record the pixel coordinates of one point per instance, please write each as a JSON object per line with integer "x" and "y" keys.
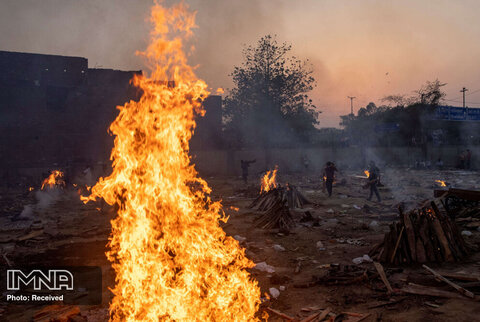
{"x": 362, "y": 48}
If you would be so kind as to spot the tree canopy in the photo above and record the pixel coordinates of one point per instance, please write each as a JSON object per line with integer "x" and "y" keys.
{"x": 269, "y": 105}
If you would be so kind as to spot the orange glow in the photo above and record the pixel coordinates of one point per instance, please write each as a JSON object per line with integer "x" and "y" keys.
{"x": 31, "y": 188}
{"x": 367, "y": 173}
{"x": 220, "y": 90}
{"x": 173, "y": 261}
{"x": 441, "y": 182}
{"x": 269, "y": 180}
{"x": 54, "y": 179}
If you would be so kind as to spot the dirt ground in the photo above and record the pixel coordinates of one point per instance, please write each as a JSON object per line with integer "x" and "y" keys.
{"x": 347, "y": 225}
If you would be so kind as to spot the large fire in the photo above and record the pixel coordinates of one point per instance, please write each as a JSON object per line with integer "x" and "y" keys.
{"x": 269, "y": 181}
{"x": 172, "y": 259}
{"x": 54, "y": 179}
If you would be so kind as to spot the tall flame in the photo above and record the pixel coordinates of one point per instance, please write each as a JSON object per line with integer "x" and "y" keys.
{"x": 54, "y": 179}
{"x": 269, "y": 180}
{"x": 172, "y": 260}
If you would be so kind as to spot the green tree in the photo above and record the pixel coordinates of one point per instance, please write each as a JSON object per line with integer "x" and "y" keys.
{"x": 269, "y": 105}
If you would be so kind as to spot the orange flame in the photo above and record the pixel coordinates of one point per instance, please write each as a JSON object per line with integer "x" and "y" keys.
{"x": 367, "y": 173}
{"x": 220, "y": 90}
{"x": 441, "y": 182}
{"x": 172, "y": 260}
{"x": 269, "y": 180}
{"x": 54, "y": 179}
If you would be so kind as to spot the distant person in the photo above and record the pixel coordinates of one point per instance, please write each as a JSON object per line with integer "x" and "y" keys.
{"x": 439, "y": 164}
{"x": 461, "y": 160}
{"x": 428, "y": 164}
{"x": 329, "y": 176}
{"x": 245, "y": 165}
{"x": 468, "y": 159}
{"x": 373, "y": 179}
{"x": 306, "y": 162}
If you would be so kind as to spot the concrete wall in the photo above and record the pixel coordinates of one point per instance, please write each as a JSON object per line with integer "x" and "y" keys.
{"x": 227, "y": 162}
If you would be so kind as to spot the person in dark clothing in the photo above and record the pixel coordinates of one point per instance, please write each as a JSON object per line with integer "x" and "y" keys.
{"x": 468, "y": 158}
{"x": 373, "y": 179}
{"x": 245, "y": 165}
{"x": 329, "y": 176}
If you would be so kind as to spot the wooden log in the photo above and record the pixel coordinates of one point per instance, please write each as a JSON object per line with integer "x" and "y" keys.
{"x": 317, "y": 316}
{"x": 410, "y": 235}
{"x": 280, "y": 314}
{"x": 447, "y": 253}
{"x": 430, "y": 291}
{"x": 446, "y": 228}
{"x": 422, "y": 231}
{"x": 462, "y": 277}
{"x": 399, "y": 238}
{"x": 384, "y": 252}
{"x": 437, "y": 251}
{"x": 420, "y": 249}
{"x": 455, "y": 286}
{"x": 383, "y": 276}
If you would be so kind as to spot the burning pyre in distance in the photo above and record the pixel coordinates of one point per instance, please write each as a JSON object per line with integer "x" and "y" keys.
{"x": 269, "y": 180}
{"x": 172, "y": 259}
{"x": 54, "y": 179}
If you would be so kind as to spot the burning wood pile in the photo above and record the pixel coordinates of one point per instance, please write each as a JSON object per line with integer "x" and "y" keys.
{"x": 463, "y": 205}
{"x": 275, "y": 208}
{"x": 423, "y": 235}
{"x": 275, "y": 201}
{"x": 288, "y": 194}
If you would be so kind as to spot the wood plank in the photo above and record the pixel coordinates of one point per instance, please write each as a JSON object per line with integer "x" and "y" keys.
{"x": 383, "y": 276}
{"x": 430, "y": 291}
{"x": 455, "y": 286}
{"x": 396, "y": 244}
{"x": 443, "y": 240}
{"x": 410, "y": 236}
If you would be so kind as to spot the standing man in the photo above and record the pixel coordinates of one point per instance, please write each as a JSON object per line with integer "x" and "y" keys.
{"x": 245, "y": 165}
{"x": 329, "y": 176}
{"x": 373, "y": 179}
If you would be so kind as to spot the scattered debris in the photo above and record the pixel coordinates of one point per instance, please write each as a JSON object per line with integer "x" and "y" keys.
{"x": 264, "y": 267}
{"x": 364, "y": 259}
{"x": 320, "y": 246}
{"x": 274, "y": 292}
{"x": 278, "y": 248}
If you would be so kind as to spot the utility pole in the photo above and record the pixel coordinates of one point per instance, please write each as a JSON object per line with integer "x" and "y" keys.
{"x": 463, "y": 91}
{"x": 351, "y": 103}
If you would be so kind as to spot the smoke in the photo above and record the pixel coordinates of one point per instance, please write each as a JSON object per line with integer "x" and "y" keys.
{"x": 45, "y": 198}
{"x": 27, "y": 212}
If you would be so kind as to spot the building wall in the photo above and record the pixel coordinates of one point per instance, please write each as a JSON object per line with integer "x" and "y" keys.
{"x": 227, "y": 162}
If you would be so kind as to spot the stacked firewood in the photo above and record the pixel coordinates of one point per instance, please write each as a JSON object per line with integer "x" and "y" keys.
{"x": 274, "y": 206}
{"x": 422, "y": 235}
{"x": 289, "y": 193}
{"x": 277, "y": 216}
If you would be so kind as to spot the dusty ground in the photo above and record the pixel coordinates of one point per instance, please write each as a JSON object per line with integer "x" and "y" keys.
{"x": 76, "y": 234}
